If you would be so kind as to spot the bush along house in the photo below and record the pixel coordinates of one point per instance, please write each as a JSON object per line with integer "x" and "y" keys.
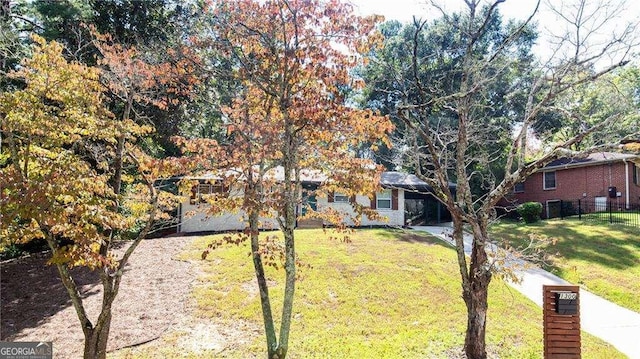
{"x": 404, "y": 200}
{"x": 602, "y": 181}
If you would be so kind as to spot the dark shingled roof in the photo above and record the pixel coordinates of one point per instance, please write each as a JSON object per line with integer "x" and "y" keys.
{"x": 591, "y": 160}
{"x": 405, "y": 180}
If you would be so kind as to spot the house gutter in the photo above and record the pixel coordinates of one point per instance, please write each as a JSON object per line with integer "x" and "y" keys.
{"x": 626, "y": 182}
{"x": 586, "y": 163}
{"x": 579, "y": 164}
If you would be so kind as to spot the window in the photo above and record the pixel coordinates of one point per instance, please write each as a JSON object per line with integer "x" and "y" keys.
{"x": 549, "y": 180}
{"x": 199, "y": 192}
{"x": 383, "y": 199}
{"x": 204, "y": 188}
{"x": 340, "y": 197}
{"x": 636, "y": 174}
{"x": 518, "y": 188}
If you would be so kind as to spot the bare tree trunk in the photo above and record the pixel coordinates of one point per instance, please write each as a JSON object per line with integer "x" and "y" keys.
{"x": 476, "y": 295}
{"x": 476, "y": 300}
{"x": 288, "y": 227}
{"x": 267, "y": 316}
{"x": 95, "y": 336}
{"x": 95, "y": 340}
{"x": 290, "y": 281}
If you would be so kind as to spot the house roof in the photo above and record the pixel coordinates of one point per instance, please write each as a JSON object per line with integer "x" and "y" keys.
{"x": 591, "y": 160}
{"x": 405, "y": 180}
{"x": 277, "y": 173}
{"x": 387, "y": 179}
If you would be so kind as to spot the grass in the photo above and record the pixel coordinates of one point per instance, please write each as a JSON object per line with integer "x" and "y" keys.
{"x": 386, "y": 294}
{"x": 626, "y": 218}
{"x": 602, "y": 258}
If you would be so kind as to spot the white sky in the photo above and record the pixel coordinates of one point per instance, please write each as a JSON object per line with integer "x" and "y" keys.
{"x": 403, "y": 10}
{"x": 548, "y": 22}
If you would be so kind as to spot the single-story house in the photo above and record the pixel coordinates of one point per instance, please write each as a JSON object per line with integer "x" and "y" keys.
{"x": 404, "y": 200}
{"x": 601, "y": 178}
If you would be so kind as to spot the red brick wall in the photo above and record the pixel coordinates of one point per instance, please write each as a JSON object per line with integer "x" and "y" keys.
{"x": 579, "y": 182}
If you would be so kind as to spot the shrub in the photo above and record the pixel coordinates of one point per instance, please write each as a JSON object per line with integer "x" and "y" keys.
{"x": 10, "y": 251}
{"x": 530, "y": 211}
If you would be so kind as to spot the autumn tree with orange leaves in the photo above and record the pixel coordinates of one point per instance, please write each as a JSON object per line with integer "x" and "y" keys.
{"x": 61, "y": 177}
{"x": 291, "y": 62}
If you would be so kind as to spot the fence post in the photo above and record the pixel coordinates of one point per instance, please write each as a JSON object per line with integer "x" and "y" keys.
{"x": 580, "y": 209}
{"x": 610, "y": 212}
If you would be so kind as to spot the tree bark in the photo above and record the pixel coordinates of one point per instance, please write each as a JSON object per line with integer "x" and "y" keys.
{"x": 474, "y": 343}
{"x": 476, "y": 297}
{"x": 95, "y": 340}
{"x": 119, "y": 160}
{"x": 289, "y": 224}
{"x": 289, "y": 289}
{"x": 95, "y": 336}
{"x": 267, "y": 316}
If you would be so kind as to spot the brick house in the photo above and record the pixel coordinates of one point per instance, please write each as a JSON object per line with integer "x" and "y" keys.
{"x": 599, "y": 178}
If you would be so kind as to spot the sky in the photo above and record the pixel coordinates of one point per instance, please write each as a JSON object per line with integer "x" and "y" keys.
{"x": 402, "y": 10}
{"x": 548, "y": 22}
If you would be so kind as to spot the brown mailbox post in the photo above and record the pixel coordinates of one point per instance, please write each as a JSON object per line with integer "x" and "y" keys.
{"x": 561, "y": 311}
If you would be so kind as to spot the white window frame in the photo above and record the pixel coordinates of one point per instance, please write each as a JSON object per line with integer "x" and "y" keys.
{"x": 544, "y": 180}
{"x": 210, "y": 188}
{"x": 384, "y": 197}
{"x": 340, "y": 197}
{"x": 206, "y": 189}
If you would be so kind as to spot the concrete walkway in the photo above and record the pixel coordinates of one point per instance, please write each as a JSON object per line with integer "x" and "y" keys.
{"x": 608, "y": 321}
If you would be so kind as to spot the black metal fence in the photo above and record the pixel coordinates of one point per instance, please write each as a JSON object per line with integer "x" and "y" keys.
{"x": 599, "y": 210}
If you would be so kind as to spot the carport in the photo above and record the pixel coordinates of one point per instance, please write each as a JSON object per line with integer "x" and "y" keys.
{"x": 420, "y": 205}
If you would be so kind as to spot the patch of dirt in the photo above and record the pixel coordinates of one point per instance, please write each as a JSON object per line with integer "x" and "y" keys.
{"x": 200, "y": 336}
{"x": 154, "y": 294}
{"x": 416, "y": 238}
{"x": 251, "y": 287}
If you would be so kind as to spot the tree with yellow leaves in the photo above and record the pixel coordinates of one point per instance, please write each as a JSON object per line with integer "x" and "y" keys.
{"x": 57, "y": 175}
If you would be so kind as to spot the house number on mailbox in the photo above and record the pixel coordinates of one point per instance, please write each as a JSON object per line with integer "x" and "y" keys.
{"x": 567, "y": 303}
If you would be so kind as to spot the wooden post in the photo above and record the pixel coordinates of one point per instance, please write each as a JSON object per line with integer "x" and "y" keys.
{"x": 561, "y": 316}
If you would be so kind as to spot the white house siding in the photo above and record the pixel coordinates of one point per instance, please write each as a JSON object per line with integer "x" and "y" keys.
{"x": 394, "y": 217}
{"x": 195, "y": 219}
{"x": 199, "y": 221}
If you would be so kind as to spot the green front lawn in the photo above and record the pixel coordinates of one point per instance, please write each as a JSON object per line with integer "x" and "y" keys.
{"x": 626, "y": 218}
{"x": 386, "y": 294}
{"x": 602, "y": 258}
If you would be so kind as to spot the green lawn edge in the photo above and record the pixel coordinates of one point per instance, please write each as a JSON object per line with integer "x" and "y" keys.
{"x": 602, "y": 258}
{"x": 386, "y": 293}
